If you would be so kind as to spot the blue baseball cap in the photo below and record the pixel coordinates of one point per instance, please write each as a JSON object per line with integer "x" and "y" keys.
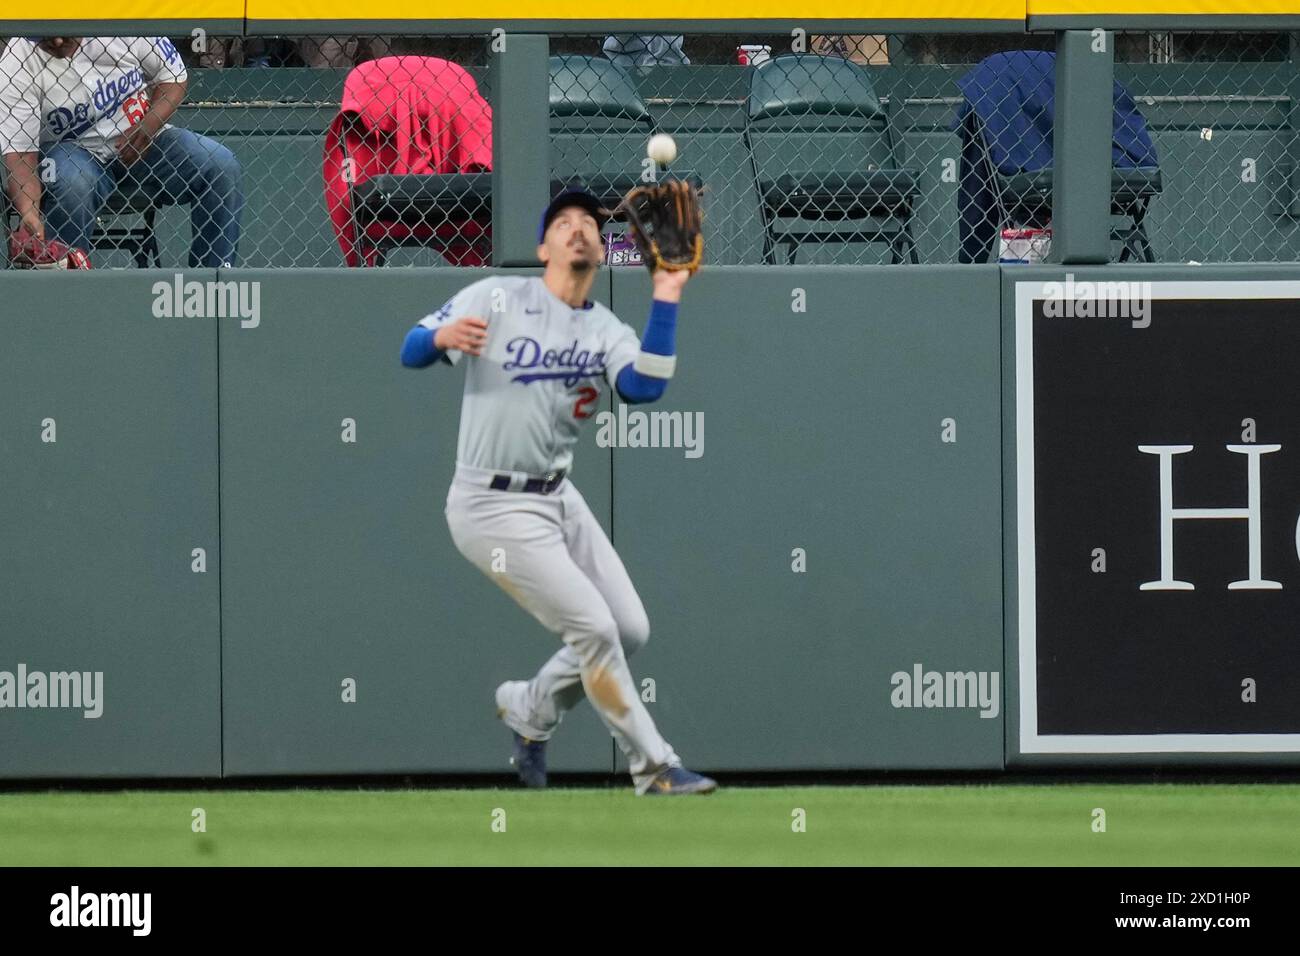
{"x": 572, "y": 196}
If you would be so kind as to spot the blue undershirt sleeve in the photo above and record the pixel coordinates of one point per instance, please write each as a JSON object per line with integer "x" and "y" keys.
{"x": 660, "y": 338}
{"x": 418, "y": 350}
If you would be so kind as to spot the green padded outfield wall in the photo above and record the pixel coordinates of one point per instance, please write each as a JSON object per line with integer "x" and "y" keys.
{"x": 823, "y": 431}
{"x": 108, "y": 485}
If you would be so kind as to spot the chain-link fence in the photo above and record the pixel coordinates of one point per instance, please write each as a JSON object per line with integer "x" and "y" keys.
{"x": 1221, "y": 110}
{"x": 260, "y": 152}
{"x": 368, "y": 151}
{"x": 831, "y": 149}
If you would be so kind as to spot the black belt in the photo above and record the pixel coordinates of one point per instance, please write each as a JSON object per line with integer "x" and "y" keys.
{"x": 540, "y": 486}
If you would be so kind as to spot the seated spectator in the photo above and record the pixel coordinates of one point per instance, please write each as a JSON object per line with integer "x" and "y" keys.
{"x": 643, "y": 49}
{"x": 864, "y": 50}
{"x": 81, "y": 119}
{"x": 341, "y": 53}
{"x": 327, "y": 53}
{"x": 317, "y": 53}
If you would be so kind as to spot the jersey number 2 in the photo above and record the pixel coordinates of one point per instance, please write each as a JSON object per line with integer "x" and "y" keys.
{"x": 585, "y": 397}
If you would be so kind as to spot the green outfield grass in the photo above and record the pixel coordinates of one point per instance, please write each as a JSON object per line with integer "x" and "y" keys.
{"x": 1158, "y": 824}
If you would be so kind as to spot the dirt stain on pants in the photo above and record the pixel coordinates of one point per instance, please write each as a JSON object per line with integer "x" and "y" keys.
{"x": 604, "y": 690}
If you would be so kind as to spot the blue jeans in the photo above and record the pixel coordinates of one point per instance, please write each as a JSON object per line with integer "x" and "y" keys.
{"x": 179, "y": 167}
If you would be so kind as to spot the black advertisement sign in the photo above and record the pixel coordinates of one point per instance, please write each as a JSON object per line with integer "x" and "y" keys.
{"x": 1158, "y": 486}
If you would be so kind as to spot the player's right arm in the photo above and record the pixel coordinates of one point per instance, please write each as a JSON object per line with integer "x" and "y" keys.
{"x": 454, "y": 330}
{"x": 641, "y": 370}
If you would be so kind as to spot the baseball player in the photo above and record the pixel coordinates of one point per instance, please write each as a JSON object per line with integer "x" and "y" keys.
{"x": 537, "y": 352}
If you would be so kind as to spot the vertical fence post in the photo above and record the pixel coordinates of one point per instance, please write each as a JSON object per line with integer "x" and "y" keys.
{"x": 1287, "y": 171}
{"x": 1081, "y": 138}
{"x": 521, "y": 146}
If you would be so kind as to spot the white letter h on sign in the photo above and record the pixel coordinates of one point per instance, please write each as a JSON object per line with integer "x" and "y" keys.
{"x": 1168, "y": 513}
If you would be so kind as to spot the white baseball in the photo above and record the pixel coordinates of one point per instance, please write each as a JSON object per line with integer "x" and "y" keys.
{"x": 661, "y": 148}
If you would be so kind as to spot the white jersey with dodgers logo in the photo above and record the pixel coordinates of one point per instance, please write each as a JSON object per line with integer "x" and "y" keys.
{"x": 90, "y": 98}
{"x": 539, "y": 377}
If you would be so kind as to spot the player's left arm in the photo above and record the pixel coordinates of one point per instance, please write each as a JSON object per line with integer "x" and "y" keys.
{"x": 645, "y": 379}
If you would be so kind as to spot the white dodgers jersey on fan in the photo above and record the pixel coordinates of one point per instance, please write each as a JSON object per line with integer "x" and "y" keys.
{"x": 91, "y": 98}
{"x": 539, "y": 377}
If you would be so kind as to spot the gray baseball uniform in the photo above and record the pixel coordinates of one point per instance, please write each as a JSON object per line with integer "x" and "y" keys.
{"x": 525, "y": 399}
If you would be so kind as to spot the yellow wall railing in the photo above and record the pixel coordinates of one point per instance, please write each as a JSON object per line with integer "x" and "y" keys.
{"x": 315, "y": 12}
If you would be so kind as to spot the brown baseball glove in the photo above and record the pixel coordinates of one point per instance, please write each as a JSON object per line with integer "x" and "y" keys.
{"x": 664, "y": 219}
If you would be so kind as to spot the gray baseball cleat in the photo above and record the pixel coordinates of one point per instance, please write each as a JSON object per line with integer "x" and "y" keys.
{"x": 676, "y": 781}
